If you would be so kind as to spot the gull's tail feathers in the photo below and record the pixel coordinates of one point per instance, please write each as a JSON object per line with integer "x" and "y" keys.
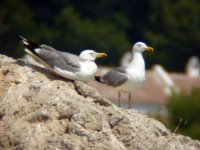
{"x": 99, "y": 79}
{"x": 29, "y": 45}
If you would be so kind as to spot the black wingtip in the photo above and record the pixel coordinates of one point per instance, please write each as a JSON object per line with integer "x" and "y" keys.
{"x": 21, "y": 37}
{"x": 98, "y": 78}
{"x": 28, "y": 44}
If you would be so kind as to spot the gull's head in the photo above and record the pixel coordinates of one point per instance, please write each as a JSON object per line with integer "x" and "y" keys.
{"x": 90, "y": 55}
{"x": 141, "y": 47}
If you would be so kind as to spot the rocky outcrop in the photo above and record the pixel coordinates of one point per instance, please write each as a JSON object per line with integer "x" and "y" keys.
{"x": 39, "y": 110}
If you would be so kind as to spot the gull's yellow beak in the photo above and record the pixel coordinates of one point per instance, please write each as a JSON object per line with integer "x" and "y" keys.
{"x": 149, "y": 49}
{"x": 98, "y": 55}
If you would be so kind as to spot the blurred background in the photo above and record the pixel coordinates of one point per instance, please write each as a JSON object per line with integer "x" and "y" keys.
{"x": 171, "y": 92}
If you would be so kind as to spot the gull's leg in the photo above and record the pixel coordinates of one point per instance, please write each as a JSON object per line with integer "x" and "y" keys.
{"x": 129, "y": 100}
{"x": 119, "y": 96}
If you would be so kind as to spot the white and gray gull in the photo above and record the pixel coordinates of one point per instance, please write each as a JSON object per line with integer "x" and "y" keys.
{"x": 64, "y": 64}
{"x": 128, "y": 78}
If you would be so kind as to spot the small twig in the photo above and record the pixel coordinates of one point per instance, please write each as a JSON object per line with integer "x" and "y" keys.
{"x": 178, "y": 126}
{"x": 184, "y": 124}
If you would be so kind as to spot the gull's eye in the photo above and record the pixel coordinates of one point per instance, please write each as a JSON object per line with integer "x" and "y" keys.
{"x": 91, "y": 53}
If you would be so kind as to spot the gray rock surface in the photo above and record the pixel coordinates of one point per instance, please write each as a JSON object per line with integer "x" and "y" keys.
{"x": 39, "y": 110}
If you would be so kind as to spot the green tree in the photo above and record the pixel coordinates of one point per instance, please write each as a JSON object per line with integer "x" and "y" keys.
{"x": 171, "y": 27}
{"x": 83, "y": 33}
{"x": 174, "y": 30}
{"x": 15, "y": 19}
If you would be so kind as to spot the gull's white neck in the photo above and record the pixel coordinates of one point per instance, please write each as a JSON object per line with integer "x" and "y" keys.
{"x": 135, "y": 73}
{"x": 137, "y": 61}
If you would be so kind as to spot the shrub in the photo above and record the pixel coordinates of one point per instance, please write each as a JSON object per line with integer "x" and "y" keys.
{"x": 184, "y": 110}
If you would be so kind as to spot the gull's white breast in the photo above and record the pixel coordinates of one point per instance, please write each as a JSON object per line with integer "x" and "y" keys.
{"x": 86, "y": 73}
{"x": 136, "y": 79}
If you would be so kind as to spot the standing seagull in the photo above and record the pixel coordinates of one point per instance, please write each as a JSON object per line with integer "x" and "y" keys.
{"x": 128, "y": 78}
{"x": 67, "y": 65}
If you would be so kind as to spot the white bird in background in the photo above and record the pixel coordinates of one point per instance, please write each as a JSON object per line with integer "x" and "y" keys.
{"x": 126, "y": 59}
{"x": 193, "y": 67}
{"x": 64, "y": 64}
{"x": 128, "y": 78}
{"x": 165, "y": 80}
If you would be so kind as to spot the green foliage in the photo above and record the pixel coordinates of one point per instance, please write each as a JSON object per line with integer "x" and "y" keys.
{"x": 15, "y": 19}
{"x": 174, "y": 31}
{"x": 85, "y": 33}
{"x": 171, "y": 27}
{"x": 186, "y": 108}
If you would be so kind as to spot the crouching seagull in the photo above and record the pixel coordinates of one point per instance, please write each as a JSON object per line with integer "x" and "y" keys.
{"x": 128, "y": 78}
{"x": 70, "y": 66}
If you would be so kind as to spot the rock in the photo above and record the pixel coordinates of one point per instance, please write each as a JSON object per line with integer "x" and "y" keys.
{"x": 41, "y": 111}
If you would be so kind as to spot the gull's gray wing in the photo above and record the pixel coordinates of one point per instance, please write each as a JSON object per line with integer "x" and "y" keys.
{"x": 62, "y": 60}
{"x": 47, "y": 47}
{"x": 115, "y": 77}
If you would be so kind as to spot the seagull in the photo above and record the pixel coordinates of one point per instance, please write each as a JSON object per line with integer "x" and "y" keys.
{"x": 193, "y": 67}
{"x": 128, "y": 78}
{"x": 70, "y": 66}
